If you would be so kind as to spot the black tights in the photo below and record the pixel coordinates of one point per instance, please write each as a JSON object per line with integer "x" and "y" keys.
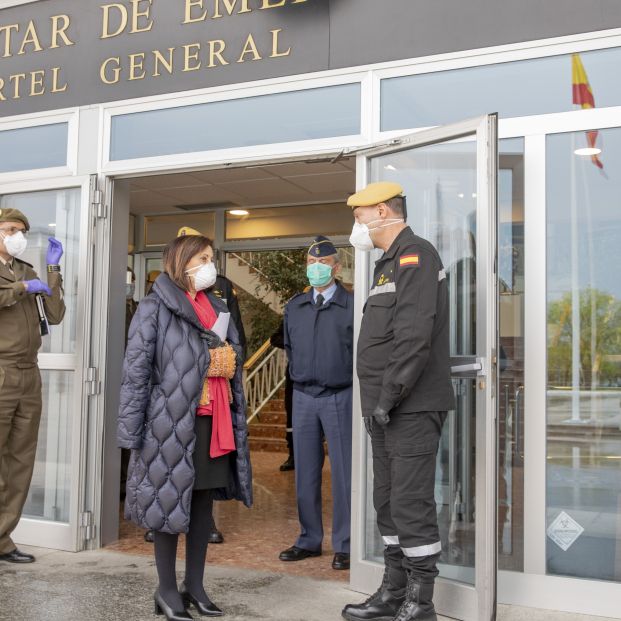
{"x": 195, "y": 553}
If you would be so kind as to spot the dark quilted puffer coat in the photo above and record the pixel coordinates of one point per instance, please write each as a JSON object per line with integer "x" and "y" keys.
{"x": 166, "y": 359}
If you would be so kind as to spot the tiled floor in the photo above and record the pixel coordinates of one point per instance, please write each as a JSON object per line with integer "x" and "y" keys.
{"x": 254, "y": 537}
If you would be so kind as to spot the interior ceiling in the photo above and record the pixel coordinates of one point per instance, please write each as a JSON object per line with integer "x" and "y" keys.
{"x": 273, "y": 184}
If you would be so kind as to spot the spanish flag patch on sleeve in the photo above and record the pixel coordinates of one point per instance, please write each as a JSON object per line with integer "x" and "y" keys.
{"x": 408, "y": 260}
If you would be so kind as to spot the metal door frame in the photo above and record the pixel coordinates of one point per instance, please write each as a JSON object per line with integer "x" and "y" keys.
{"x": 453, "y": 599}
{"x": 39, "y": 532}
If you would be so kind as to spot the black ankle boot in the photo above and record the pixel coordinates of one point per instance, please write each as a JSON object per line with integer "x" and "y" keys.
{"x": 381, "y": 606}
{"x": 418, "y": 604}
{"x": 384, "y": 604}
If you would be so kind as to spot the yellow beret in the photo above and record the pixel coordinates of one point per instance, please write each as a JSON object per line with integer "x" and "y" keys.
{"x": 375, "y": 193}
{"x": 14, "y": 215}
{"x": 187, "y": 230}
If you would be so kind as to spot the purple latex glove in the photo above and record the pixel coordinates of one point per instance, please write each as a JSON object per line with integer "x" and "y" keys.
{"x": 54, "y": 251}
{"x": 36, "y": 286}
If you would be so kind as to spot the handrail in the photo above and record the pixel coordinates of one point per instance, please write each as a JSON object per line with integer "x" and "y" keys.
{"x": 248, "y": 264}
{"x": 251, "y": 253}
{"x": 347, "y": 258}
{"x": 264, "y": 381}
{"x": 257, "y": 355}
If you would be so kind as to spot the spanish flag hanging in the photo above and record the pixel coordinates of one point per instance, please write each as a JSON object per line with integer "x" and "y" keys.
{"x": 582, "y": 96}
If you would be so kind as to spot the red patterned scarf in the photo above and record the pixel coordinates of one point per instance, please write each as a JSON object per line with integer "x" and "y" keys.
{"x": 222, "y": 438}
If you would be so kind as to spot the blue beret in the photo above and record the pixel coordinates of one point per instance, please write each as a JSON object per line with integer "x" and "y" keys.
{"x": 321, "y": 247}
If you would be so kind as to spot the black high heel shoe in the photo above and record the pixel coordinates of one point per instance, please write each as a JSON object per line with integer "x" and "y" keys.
{"x": 206, "y": 609}
{"x": 162, "y": 608}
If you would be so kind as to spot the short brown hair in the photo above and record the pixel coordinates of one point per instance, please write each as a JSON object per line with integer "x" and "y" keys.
{"x": 396, "y": 205}
{"x": 178, "y": 253}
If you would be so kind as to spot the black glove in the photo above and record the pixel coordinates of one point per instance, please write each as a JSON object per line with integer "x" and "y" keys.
{"x": 213, "y": 340}
{"x": 368, "y": 424}
{"x": 381, "y": 416}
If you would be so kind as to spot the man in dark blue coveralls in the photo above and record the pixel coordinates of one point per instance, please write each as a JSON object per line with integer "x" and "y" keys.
{"x": 319, "y": 329}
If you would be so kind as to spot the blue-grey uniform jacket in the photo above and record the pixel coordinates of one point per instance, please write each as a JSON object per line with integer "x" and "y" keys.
{"x": 320, "y": 342}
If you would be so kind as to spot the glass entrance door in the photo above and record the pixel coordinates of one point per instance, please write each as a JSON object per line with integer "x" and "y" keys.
{"x": 51, "y": 516}
{"x": 449, "y": 175}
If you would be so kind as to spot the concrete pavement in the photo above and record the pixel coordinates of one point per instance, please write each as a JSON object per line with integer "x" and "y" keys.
{"x": 111, "y": 586}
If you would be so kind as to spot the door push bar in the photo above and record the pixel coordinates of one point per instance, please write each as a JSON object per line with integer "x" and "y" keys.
{"x": 478, "y": 367}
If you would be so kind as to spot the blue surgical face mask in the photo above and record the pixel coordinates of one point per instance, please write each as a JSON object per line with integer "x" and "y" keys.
{"x": 319, "y": 274}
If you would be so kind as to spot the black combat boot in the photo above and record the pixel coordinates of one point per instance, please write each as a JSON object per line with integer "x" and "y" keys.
{"x": 418, "y": 604}
{"x": 385, "y": 602}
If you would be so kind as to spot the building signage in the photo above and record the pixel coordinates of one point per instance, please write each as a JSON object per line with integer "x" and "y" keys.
{"x": 65, "y": 53}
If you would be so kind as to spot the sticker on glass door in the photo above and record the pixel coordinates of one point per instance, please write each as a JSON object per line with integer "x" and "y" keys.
{"x": 564, "y": 531}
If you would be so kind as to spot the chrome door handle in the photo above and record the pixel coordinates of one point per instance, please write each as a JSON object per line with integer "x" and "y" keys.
{"x": 478, "y": 367}
{"x": 518, "y": 407}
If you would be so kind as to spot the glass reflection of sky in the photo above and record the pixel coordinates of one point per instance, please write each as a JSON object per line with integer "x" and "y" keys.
{"x": 520, "y": 88}
{"x": 598, "y": 213}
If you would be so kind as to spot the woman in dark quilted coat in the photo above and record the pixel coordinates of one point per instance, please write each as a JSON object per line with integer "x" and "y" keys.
{"x": 183, "y": 415}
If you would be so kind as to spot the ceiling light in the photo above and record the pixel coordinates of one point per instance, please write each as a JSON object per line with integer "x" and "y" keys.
{"x": 389, "y": 167}
{"x": 239, "y": 212}
{"x": 474, "y": 195}
{"x": 52, "y": 225}
{"x": 461, "y": 195}
{"x": 588, "y": 151}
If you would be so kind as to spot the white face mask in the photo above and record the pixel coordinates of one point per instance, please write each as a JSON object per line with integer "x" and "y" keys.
{"x": 204, "y": 276}
{"x": 360, "y": 237}
{"x": 15, "y": 244}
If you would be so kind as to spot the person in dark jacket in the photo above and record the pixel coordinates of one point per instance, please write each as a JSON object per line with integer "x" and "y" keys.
{"x": 278, "y": 340}
{"x": 319, "y": 332}
{"x": 183, "y": 415}
{"x": 403, "y": 366}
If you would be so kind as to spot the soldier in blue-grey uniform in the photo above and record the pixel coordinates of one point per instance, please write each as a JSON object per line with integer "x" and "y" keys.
{"x": 403, "y": 365}
{"x": 319, "y": 330}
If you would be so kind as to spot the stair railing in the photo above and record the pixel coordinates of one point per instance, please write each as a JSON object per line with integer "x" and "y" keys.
{"x": 347, "y": 257}
{"x": 264, "y": 375}
{"x": 246, "y": 259}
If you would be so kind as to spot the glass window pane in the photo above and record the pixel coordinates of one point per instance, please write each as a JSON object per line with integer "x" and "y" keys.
{"x": 50, "y": 491}
{"x": 284, "y": 117}
{"x": 303, "y": 221}
{"x": 159, "y": 230}
{"x": 440, "y": 184}
{"x": 513, "y": 89}
{"x": 54, "y": 213}
{"x": 454, "y": 491}
{"x": 153, "y": 268}
{"x": 584, "y": 357}
{"x": 44, "y": 146}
